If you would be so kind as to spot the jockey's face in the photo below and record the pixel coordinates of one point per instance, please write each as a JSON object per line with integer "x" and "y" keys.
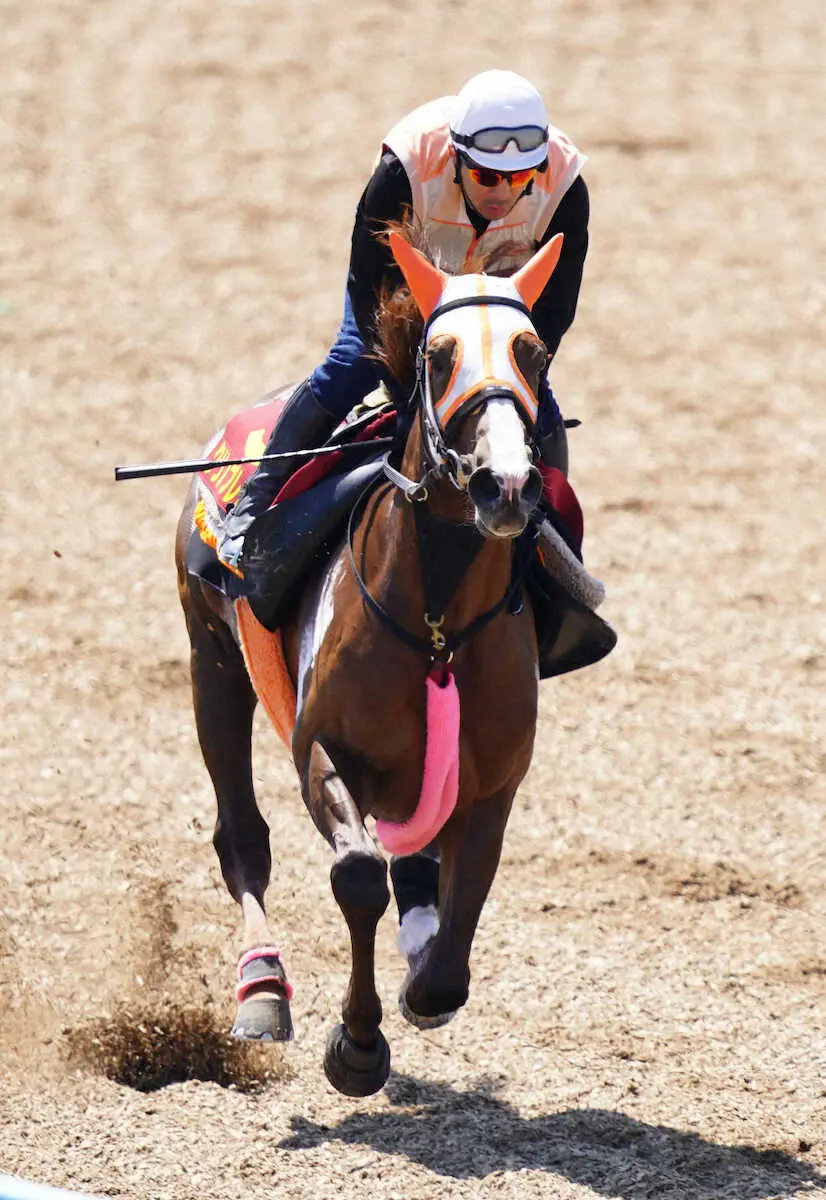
{"x": 492, "y": 203}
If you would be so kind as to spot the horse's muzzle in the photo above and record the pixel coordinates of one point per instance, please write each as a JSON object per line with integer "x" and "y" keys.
{"x": 504, "y": 504}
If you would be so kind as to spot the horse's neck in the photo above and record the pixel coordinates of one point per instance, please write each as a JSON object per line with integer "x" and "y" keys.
{"x": 449, "y": 526}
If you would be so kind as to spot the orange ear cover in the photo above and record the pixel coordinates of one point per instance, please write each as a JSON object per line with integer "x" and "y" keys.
{"x": 530, "y": 280}
{"x": 425, "y": 281}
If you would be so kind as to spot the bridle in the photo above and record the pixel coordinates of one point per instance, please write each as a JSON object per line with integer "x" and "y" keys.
{"x": 439, "y": 586}
{"x": 443, "y": 462}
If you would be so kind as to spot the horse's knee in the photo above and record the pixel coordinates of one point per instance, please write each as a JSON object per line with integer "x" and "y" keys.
{"x": 359, "y": 883}
{"x": 243, "y": 849}
{"x": 246, "y": 835}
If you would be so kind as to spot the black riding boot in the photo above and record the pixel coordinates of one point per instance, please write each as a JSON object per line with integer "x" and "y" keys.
{"x": 303, "y": 424}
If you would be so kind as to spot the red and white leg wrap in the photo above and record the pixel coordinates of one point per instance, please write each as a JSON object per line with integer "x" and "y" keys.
{"x": 262, "y": 964}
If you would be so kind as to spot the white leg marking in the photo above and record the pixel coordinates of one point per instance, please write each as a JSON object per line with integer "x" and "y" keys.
{"x": 418, "y": 926}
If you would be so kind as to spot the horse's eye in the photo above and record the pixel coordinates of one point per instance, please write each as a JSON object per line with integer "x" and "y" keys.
{"x": 441, "y": 357}
{"x": 531, "y": 355}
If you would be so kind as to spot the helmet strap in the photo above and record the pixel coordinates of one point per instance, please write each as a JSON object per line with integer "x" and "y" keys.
{"x": 473, "y": 213}
{"x": 457, "y": 166}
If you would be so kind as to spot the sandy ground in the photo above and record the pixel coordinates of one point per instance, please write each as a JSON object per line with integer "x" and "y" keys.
{"x": 649, "y": 978}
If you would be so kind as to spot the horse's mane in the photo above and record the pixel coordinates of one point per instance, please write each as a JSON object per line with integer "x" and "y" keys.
{"x": 399, "y": 323}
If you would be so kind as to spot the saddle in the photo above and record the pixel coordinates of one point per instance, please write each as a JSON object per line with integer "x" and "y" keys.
{"x": 309, "y": 517}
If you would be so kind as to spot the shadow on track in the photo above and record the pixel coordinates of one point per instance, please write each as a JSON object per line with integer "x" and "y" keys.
{"x": 474, "y": 1134}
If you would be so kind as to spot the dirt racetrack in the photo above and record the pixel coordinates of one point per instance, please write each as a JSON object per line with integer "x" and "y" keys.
{"x": 648, "y": 1007}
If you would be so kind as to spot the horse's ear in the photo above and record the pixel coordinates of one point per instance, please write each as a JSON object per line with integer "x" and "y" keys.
{"x": 425, "y": 281}
{"x": 530, "y": 280}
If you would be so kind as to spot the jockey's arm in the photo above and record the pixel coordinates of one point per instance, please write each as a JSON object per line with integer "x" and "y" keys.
{"x": 554, "y": 311}
{"x": 386, "y": 198}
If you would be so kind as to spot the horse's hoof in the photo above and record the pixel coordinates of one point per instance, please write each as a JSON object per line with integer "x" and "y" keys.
{"x": 264, "y": 1018}
{"x": 415, "y": 963}
{"x": 352, "y": 1070}
{"x": 420, "y": 1022}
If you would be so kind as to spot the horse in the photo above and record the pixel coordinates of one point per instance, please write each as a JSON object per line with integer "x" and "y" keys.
{"x": 412, "y": 655}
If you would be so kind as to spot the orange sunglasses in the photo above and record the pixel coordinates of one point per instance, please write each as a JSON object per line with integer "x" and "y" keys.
{"x": 488, "y": 178}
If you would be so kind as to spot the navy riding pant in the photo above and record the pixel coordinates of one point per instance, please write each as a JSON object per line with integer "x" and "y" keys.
{"x": 347, "y": 375}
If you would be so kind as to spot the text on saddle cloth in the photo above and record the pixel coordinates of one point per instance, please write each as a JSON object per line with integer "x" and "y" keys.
{"x": 244, "y": 436}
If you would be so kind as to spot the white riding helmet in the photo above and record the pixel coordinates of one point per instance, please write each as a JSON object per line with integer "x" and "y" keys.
{"x": 498, "y": 120}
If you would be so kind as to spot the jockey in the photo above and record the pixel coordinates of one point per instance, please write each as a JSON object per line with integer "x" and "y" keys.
{"x": 480, "y": 170}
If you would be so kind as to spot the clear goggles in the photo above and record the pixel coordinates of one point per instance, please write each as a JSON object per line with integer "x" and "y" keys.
{"x": 496, "y": 139}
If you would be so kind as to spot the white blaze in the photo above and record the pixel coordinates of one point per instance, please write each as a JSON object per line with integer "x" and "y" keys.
{"x": 509, "y": 459}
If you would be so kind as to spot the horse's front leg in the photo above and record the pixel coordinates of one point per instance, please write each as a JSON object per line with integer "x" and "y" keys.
{"x": 415, "y": 880}
{"x": 357, "y": 1059}
{"x": 471, "y": 844}
{"x": 224, "y": 703}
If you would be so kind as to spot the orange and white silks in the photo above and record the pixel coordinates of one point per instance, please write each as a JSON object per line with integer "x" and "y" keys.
{"x": 421, "y": 141}
{"x": 485, "y": 334}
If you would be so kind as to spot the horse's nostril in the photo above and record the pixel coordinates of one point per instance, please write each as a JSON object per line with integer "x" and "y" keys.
{"x": 484, "y": 488}
{"x": 533, "y": 488}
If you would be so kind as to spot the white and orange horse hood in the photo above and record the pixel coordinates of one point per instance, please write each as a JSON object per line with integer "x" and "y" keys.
{"x": 485, "y": 332}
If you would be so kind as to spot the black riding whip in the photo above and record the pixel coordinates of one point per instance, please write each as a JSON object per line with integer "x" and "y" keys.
{"x": 189, "y": 466}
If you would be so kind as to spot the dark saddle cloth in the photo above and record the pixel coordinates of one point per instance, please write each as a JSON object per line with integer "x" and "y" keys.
{"x": 309, "y": 518}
